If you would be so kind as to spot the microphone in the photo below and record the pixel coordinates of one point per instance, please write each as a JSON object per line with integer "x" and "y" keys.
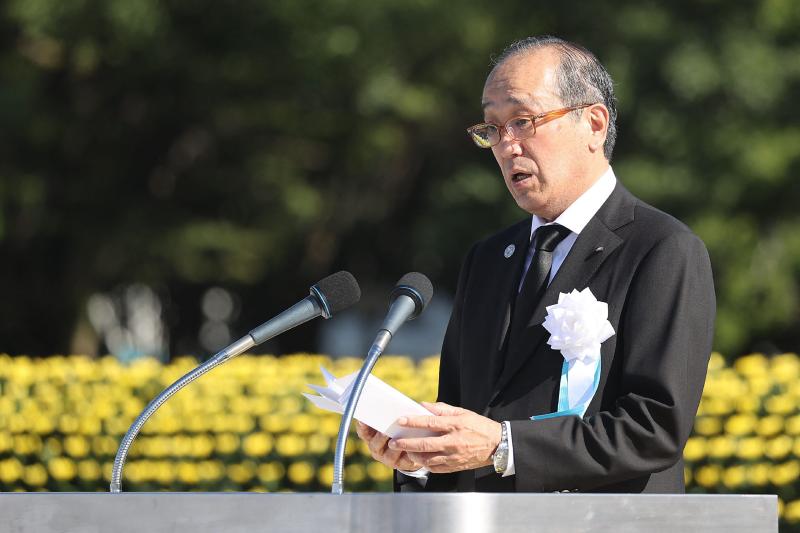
{"x": 407, "y": 300}
{"x": 329, "y": 296}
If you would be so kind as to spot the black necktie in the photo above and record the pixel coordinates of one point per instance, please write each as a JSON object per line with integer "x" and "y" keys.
{"x": 545, "y": 240}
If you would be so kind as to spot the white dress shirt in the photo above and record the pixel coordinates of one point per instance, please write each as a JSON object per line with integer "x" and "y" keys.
{"x": 574, "y": 218}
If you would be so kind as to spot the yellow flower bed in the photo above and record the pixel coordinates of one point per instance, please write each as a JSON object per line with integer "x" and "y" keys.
{"x": 245, "y": 426}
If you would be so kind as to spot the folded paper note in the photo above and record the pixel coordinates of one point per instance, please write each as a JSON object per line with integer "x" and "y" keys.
{"x": 379, "y": 406}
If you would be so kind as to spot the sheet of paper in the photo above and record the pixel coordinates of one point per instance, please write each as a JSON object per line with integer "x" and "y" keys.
{"x": 379, "y": 406}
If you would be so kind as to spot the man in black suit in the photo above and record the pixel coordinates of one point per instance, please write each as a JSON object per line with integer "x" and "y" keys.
{"x": 550, "y": 122}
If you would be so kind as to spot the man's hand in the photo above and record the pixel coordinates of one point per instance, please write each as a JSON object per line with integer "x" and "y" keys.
{"x": 377, "y": 448}
{"x": 467, "y": 440}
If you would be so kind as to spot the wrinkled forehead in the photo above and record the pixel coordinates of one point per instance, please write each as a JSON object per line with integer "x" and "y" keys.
{"x": 527, "y": 80}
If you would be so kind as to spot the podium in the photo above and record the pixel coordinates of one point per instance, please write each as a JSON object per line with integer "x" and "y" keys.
{"x": 238, "y": 512}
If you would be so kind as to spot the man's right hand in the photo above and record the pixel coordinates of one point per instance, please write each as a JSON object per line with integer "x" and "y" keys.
{"x": 377, "y": 442}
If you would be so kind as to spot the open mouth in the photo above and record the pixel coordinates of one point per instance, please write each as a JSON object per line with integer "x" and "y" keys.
{"x": 519, "y": 176}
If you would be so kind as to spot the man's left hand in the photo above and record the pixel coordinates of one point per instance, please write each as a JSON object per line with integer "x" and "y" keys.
{"x": 466, "y": 439}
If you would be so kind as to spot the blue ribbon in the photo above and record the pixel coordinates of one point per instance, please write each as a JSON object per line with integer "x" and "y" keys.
{"x": 563, "y": 395}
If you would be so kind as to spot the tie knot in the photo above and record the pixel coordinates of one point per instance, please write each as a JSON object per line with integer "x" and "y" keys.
{"x": 547, "y": 237}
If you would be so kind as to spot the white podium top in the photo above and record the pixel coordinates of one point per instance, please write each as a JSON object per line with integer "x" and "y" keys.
{"x": 370, "y": 513}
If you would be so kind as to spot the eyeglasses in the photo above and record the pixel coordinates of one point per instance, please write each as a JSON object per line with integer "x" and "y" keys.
{"x": 521, "y": 127}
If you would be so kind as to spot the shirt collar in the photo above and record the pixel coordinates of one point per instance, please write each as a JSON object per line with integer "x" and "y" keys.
{"x": 581, "y": 211}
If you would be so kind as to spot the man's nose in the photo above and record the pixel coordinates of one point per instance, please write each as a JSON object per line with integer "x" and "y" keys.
{"x": 508, "y": 145}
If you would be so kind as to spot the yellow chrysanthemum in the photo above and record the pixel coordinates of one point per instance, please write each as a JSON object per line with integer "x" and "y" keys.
{"x": 210, "y": 471}
{"x": 791, "y": 512}
{"x": 257, "y": 444}
{"x": 301, "y": 472}
{"x": 707, "y": 476}
{"x": 695, "y": 449}
{"x": 325, "y": 474}
{"x": 188, "y": 473}
{"x": 76, "y": 446}
{"x": 35, "y": 476}
{"x": 304, "y": 423}
{"x": 781, "y": 404}
{"x": 241, "y": 472}
{"x": 379, "y": 472}
{"x": 290, "y": 445}
{"x": 740, "y": 425}
{"x": 758, "y": 474}
{"x": 355, "y": 473}
{"x": 750, "y": 448}
{"x": 227, "y": 443}
{"x": 784, "y": 473}
{"x": 707, "y": 425}
{"x": 271, "y": 472}
{"x": 62, "y": 468}
{"x": 769, "y": 426}
{"x": 11, "y": 470}
{"x": 734, "y": 476}
{"x": 779, "y": 447}
{"x": 318, "y": 444}
{"x": 748, "y": 403}
{"x": 721, "y": 447}
{"x": 752, "y": 365}
{"x": 89, "y": 470}
{"x": 6, "y": 441}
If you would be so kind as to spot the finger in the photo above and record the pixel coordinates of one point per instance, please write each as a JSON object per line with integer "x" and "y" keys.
{"x": 435, "y": 461}
{"x": 420, "y": 458}
{"x": 434, "y": 423}
{"x": 442, "y": 409}
{"x": 404, "y": 463}
{"x": 424, "y": 444}
{"x": 364, "y": 431}
{"x": 377, "y": 444}
{"x": 443, "y": 469}
{"x": 398, "y": 459}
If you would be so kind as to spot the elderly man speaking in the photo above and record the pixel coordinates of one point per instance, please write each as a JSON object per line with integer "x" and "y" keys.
{"x": 578, "y": 345}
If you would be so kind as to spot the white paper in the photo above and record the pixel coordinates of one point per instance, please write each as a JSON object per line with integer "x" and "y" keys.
{"x": 379, "y": 406}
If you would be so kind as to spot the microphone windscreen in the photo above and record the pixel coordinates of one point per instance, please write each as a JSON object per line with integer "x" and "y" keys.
{"x": 420, "y": 284}
{"x": 340, "y": 290}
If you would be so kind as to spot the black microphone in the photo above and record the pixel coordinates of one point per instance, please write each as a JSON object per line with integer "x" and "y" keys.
{"x": 329, "y": 296}
{"x": 407, "y": 300}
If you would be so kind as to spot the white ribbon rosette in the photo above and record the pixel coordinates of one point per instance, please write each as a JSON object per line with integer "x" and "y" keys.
{"x": 578, "y": 324}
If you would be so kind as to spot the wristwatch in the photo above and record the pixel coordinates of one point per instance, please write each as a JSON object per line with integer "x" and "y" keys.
{"x": 500, "y": 455}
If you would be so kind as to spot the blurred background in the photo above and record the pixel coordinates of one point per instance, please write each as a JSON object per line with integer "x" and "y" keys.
{"x": 173, "y": 173}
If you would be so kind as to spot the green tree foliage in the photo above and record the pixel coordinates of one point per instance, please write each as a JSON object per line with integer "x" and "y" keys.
{"x": 262, "y": 144}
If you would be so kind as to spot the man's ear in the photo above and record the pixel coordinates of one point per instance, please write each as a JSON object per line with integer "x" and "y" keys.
{"x": 598, "y": 126}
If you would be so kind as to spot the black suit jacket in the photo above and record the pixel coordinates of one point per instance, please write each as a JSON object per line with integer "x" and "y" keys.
{"x": 655, "y": 275}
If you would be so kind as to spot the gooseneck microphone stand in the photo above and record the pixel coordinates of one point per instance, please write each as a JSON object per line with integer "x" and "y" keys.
{"x": 350, "y": 408}
{"x": 311, "y": 307}
{"x": 243, "y": 344}
{"x": 409, "y": 298}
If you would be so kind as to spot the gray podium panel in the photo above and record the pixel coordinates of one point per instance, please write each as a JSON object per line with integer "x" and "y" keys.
{"x": 430, "y": 513}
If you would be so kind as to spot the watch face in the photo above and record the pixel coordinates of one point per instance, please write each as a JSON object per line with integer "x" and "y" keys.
{"x": 501, "y": 460}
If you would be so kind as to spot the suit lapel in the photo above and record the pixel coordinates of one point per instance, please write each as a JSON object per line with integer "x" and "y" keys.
{"x": 594, "y": 245}
{"x": 508, "y": 281}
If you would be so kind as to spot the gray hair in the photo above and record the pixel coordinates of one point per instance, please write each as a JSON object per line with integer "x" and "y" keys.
{"x": 580, "y": 78}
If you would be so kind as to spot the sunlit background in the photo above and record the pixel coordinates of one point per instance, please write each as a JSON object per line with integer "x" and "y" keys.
{"x": 173, "y": 173}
